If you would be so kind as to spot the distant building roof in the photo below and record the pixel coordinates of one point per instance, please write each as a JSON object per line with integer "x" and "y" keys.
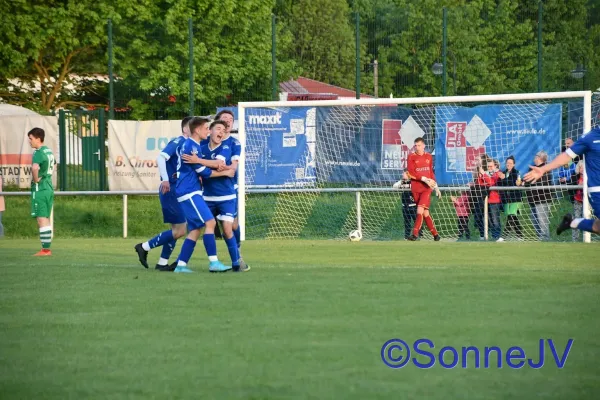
{"x": 312, "y": 88}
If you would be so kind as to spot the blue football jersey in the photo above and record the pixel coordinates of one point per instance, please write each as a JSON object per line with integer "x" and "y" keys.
{"x": 221, "y": 188}
{"x": 169, "y": 153}
{"x": 187, "y": 174}
{"x": 589, "y": 146}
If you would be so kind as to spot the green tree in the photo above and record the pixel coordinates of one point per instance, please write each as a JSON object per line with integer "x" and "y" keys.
{"x": 324, "y": 41}
{"x": 49, "y": 44}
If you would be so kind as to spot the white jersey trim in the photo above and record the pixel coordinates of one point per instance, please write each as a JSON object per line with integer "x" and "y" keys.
{"x": 198, "y": 170}
{"x": 224, "y": 218}
{"x": 571, "y": 153}
{"x": 219, "y": 198}
{"x": 595, "y": 189}
{"x": 165, "y": 155}
{"x": 235, "y": 158}
{"x": 189, "y": 196}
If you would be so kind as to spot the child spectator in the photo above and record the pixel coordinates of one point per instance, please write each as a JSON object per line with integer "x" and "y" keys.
{"x": 461, "y": 204}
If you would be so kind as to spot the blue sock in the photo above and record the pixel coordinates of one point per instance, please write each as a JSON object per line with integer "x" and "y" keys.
{"x": 233, "y": 251}
{"x": 160, "y": 239}
{"x": 167, "y": 249}
{"x": 210, "y": 244}
{"x": 586, "y": 225}
{"x": 186, "y": 251}
{"x": 236, "y": 233}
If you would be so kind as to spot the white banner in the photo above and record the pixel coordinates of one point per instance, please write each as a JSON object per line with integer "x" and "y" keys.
{"x": 15, "y": 152}
{"x": 133, "y": 147}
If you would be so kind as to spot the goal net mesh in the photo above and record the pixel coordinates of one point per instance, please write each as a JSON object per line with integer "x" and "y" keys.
{"x": 305, "y": 166}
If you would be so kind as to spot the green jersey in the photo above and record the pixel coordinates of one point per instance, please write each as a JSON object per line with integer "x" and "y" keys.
{"x": 45, "y": 159}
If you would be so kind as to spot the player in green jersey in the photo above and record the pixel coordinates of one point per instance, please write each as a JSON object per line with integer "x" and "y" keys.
{"x": 42, "y": 191}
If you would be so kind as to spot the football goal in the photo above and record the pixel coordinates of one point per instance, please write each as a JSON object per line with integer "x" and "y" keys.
{"x": 323, "y": 169}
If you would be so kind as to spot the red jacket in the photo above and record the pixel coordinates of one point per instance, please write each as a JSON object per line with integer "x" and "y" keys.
{"x": 420, "y": 166}
{"x": 462, "y": 205}
{"x": 494, "y": 197}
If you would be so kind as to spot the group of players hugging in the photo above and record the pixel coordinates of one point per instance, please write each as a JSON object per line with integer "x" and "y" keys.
{"x": 198, "y": 173}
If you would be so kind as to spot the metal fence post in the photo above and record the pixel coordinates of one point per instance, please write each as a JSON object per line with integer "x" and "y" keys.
{"x": 540, "y": 48}
{"x": 444, "y": 47}
{"x": 102, "y": 149}
{"x": 111, "y": 90}
{"x": 124, "y": 216}
{"x": 357, "y": 35}
{"x": 191, "y": 56}
{"x": 62, "y": 134}
{"x": 274, "y": 90}
{"x": 358, "y": 213}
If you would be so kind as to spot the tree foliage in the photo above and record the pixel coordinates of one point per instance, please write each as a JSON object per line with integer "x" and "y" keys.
{"x": 48, "y": 48}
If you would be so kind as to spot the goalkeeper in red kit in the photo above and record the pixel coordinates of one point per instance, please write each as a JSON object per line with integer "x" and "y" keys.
{"x": 422, "y": 183}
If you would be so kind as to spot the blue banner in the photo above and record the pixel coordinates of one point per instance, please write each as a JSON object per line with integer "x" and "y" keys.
{"x": 369, "y": 145}
{"x": 280, "y": 146}
{"x": 498, "y": 131}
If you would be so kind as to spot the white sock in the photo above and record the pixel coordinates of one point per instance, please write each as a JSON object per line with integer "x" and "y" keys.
{"x": 213, "y": 258}
{"x": 575, "y": 222}
{"x": 146, "y": 246}
{"x": 163, "y": 261}
{"x": 181, "y": 263}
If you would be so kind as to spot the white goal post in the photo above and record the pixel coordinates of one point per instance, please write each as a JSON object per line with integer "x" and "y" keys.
{"x": 355, "y": 114}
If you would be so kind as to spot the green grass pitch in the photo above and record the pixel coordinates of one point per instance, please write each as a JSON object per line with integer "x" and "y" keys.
{"x": 307, "y": 322}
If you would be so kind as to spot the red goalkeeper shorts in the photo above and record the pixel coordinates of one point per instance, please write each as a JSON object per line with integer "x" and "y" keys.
{"x": 423, "y": 199}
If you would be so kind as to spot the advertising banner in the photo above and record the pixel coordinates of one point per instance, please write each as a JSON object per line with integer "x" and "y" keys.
{"x": 15, "y": 151}
{"x": 133, "y": 147}
{"x": 521, "y": 130}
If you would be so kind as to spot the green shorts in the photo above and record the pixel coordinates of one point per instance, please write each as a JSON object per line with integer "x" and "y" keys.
{"x": 512, "y": 208}
{"x": 41, "y": 203}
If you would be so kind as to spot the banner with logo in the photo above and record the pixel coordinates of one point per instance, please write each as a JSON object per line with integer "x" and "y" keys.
{"x": 364, "y": 145}
{"x": 15, "y": 151}
{"x": 521, "y": 130}
{"x": 280, "y": 146}
{"x": 133, "y": 147}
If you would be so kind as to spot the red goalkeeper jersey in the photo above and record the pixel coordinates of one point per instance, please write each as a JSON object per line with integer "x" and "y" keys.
{"x": 420, "y": 166}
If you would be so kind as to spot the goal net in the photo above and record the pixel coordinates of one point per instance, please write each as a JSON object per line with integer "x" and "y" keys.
{"x": 321, "y": 169}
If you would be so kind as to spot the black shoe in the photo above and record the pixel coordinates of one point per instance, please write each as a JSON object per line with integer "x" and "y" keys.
{"x": 243, "y": 267}
{"x": 412, "y": 238}
{"x": 142, "y": 254}
{"x": 437, "y": 238}
{"x": 564, "y": 224}
{"x": 167, "y": 268}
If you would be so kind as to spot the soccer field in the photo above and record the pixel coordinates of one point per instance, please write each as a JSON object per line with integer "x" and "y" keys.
{"x": 308, "y": 321}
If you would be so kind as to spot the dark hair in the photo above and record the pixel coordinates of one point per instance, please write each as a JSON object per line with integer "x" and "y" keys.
{"x": 218, "y": 122}
{"x": 220, "y": 113}
{"x": 511, "y": 158}
{"x": 37, "y": 133}
{"x": 419, "y": 139}
{"x": 196, "y": 122}
{"x": 185, "y": 121}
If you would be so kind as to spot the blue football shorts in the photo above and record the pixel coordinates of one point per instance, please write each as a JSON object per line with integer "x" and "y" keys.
{"x": 171, "y": 209}
{"x": 196, "y": 211}
{"x": 224, "y": 210}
